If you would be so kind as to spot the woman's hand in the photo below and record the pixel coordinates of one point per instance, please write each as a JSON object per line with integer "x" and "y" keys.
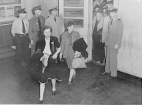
{"x": 77, "y": 54}
{"x": 54, "y": 56}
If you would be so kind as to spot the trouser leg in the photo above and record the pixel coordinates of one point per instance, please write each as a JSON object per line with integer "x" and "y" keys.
{"x": 107, "y": 66}
{"x": 25, "y": 51}
{"x": 18, "y": 44}
{"x": 35, "y": 39}
{"x": 113, "y": 62}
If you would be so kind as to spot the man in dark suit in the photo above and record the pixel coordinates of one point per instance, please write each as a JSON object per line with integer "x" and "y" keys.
{"x": 113, "y": 42}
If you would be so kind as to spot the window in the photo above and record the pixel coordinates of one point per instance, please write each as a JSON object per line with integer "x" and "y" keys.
{"x": 8, "y": 8}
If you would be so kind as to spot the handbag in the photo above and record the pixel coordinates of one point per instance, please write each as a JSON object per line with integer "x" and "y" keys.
{"x": 78, "y": 63}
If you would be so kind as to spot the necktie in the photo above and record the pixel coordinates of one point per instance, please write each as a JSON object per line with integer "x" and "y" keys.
{"x": 55, "y": 19}
{"x": 39, "y": 24}
{"x": 23, "y": 27}
{"x": 111, "y": 22}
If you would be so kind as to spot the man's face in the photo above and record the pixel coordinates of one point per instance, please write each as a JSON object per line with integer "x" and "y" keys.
{"x": 70, "y": 28}
{"x": 113, "y": 15}
{"x": 47, "y": 33}
{"x": 55, "y": 12}
{"x": 38, "y": 12}
{"x": 22, "y": 15}
{"x": 98, "y": 16}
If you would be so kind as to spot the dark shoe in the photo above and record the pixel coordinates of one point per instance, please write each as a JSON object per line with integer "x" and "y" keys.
{"x": 69, "y": 83}
{"x": 53, "y": 93}
{"x": 40, "y": 102}
{"x": 104, "y": 73}
{"x": 110, "y": 77}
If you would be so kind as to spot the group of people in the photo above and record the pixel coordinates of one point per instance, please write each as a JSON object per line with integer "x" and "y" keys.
{"x": 48, "y": 45}
{"x": 107, "y": 35}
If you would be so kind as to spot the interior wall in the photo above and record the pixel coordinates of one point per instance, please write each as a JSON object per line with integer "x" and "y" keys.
{"x": 130, "y": 53}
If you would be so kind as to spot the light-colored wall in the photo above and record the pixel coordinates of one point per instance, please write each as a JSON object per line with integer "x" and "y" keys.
{"x": 130, "y": 53}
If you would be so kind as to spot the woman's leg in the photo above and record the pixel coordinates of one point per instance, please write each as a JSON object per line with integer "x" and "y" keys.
{"x": 42, "y": 88}
{"x": 53, "y": 81}
{"x": 72, "y": 73}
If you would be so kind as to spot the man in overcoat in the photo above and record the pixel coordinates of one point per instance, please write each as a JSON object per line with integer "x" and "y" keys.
{"x": 113, "y": 42}
{"x": 54, "y": 21}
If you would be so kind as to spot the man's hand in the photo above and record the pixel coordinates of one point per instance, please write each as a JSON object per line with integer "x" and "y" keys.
{"x": 32, "y": 42}
{"x": 60, "y": 56}
{"x": 116, "y": 47}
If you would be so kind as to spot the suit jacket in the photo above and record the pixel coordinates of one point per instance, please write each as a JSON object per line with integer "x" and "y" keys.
{"x": 115, "y": 33}
{"x": 65, "y": 41}
{"x": 105, "y": 28}
{"x": 54, "y": 44}
{"x": 56, "y": 26}
{"x": 34, "y": 26}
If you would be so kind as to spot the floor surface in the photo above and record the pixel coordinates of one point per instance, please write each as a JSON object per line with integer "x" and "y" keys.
{"x": 16, "y": 87}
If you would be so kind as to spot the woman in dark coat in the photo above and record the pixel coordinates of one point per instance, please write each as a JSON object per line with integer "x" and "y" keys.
{"x": 98, "y": 46}
{"x": 44, "y": 63}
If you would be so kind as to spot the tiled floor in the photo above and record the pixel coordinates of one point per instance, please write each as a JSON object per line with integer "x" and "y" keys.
{"x": 16, "y": 87}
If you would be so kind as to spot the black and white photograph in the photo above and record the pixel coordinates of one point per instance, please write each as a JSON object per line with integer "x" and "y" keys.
{"x": 71, "y": 52}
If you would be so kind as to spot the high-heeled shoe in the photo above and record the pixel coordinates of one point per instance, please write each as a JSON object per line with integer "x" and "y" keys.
{"x": 53, "y": 93}
{"x": 40, "y": 102}
{"x": 104, "y": 73}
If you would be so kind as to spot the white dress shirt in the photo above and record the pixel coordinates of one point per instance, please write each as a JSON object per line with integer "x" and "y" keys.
{"x": 47, "y": 47}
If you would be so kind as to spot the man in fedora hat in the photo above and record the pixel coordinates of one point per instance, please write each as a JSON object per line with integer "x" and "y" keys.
{"x": 19, "y": 30}
{"x": 36, "y": 24}
{"x": 55, "y": 22}
{"x": 113, "y": 42}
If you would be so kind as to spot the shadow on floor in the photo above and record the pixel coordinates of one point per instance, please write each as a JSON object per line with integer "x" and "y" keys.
{"x": 91, "y": 87}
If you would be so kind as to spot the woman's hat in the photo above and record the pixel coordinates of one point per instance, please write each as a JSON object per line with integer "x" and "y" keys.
{"x": 99, "y": 11}
{"x": 113, "y": 9}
